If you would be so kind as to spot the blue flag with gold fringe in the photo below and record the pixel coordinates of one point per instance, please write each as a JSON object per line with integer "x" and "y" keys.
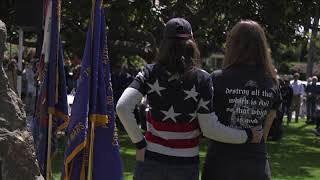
{"x": 52, "y": 97}
{"x": 93, "y": 103}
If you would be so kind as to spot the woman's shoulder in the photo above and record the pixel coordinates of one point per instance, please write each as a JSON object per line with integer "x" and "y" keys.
{"x": 201, "y": 74}
{"x": 201, "y": 71}
{"x": 216, "y": 73}
{"x": 149, "y": 67}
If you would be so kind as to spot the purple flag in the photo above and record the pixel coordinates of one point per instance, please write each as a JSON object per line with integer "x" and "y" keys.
{"x": 93, "y": 102}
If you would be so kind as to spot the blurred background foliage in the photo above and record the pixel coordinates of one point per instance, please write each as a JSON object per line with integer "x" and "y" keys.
{"x": 135, "y": 26}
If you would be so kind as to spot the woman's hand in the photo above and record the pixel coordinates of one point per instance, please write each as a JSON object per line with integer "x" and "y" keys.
{"x": 257, "y": 134}
{"x": 140, "y": 154}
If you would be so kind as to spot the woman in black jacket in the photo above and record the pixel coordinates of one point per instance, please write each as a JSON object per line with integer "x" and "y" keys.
{"x": 246, "y": 95}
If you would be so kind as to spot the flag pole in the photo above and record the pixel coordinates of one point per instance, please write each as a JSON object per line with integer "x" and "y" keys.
{"x": 19, "y": 63}
{"x": 48, "y": 171}
{"x": 49, "y": 163}
{"x": 90, "y": 162}
{"x": 91, "y": 149}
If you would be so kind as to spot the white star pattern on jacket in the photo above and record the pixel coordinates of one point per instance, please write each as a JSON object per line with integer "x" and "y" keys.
{"x": 193, "y": 116}
{"x": 170, "y": 114}
{"x": 191, "y": 94}
{"x": 203, "y": 104}
{"x": 155, "y": 88}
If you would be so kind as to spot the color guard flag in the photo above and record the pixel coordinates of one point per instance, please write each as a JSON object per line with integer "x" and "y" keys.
{"x": 53, "y": 95}
{"x": 93, "y": 102}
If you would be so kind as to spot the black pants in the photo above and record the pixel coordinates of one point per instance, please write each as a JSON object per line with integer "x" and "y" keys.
{"x": 311, "y": 108}
{"x": 236, "y": 169}
{"x": 286, "y": 111}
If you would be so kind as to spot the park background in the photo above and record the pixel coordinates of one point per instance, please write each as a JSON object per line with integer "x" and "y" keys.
{"x": 135, "y": 28}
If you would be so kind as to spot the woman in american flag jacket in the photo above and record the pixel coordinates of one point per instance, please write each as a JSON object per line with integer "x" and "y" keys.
{"x": 180, "y": 99}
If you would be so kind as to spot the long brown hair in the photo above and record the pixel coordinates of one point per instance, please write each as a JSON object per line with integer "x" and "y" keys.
{"x": 178, "y": 55}
{"x": 247, "y": 44}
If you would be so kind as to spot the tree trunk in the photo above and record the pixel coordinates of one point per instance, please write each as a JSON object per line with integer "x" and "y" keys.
{"x": 304, "y": 44}
{"x": 312, "y": 49}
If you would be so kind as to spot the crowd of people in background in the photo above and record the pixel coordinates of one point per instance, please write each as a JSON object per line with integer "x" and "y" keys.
{"x": 300, "y": 99}
{"x": 121, "y": 77}
{"x": 28, "y": 78}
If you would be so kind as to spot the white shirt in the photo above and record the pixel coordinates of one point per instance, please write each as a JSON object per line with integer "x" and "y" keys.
{"x": 298, "y": 88}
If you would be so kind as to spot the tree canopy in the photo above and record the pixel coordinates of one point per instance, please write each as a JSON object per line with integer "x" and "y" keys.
{"x": 135, "y": 26}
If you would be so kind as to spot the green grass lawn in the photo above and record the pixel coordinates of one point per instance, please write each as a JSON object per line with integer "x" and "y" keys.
{"x": 295, "y": 157}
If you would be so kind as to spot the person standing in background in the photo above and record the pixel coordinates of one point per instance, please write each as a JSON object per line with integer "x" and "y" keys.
{"x": 298, "y": 92}
{"x": 316, "y": 117}
{"x": 311, "y": 99}
{"x": 287, "y": 94}
{"x": 316, "y": 114}
{"x": 120, "y": 80}
{"x": 31, "y": 89}
{"x": 12, "y": 74}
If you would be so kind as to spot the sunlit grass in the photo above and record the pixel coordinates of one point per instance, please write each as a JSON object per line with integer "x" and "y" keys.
{"x": 295, "y": 157}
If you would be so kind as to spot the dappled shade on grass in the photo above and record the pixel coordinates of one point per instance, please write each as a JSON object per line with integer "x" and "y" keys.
{"x": 295, "y": 157}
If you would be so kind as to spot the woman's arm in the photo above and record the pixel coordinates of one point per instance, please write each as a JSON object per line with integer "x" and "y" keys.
{"x": 213, "y": 129}
{"x": 125, "y": 107}
{"x": 267, "y": 125}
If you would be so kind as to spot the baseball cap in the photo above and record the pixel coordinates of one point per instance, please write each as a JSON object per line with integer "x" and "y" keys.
{"x": 178, "y": 28}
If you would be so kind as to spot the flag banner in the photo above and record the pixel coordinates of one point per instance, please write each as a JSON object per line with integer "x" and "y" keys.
{"x": 93, "y": 102}
{"x": 106, "y": 147}
{"x": 52, "y": 98}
